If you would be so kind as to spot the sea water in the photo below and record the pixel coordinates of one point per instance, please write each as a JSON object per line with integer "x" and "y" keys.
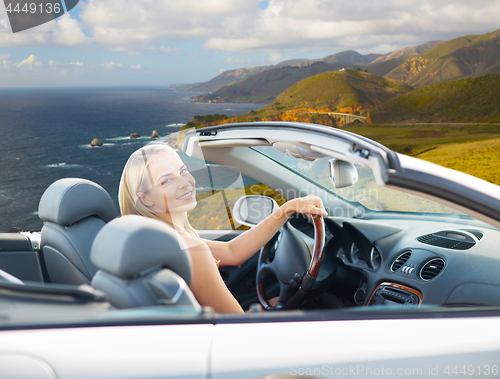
{"x": 45, "y": 135}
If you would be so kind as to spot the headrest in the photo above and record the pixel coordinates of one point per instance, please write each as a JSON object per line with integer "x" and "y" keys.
{"x": 131, "y": 244}
{"x": 70, "y": 200}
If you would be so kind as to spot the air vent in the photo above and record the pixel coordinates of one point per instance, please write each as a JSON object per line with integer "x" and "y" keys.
{"x": 448, "y": 239}
{"x": 400, "y": 261}
{"x": 431, "y": 269}
{"x": 476, "y": 233}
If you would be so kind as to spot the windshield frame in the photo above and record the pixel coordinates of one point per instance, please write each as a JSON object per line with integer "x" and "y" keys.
{"x": 362, "y": 208}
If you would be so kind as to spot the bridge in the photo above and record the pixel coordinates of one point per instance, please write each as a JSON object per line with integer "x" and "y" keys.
{"x": 347, "y": 118}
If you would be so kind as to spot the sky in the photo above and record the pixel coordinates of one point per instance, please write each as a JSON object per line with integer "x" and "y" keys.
{"x": 165, "y": 42}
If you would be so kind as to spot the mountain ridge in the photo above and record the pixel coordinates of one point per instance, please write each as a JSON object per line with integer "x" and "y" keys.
{"x": 471, "y": 55}
{"x": 347, "y": 57}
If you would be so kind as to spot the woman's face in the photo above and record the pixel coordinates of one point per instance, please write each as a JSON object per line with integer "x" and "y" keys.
{"x": 173, "y": 187}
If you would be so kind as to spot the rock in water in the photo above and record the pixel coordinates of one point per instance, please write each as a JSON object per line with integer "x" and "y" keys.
{"x": 96, "y": 142}
{"x": 154, "y": 135}
{"x": 134, "y": 135}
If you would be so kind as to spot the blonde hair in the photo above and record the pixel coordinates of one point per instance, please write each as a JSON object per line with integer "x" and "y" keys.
{"x": 135, "y": 179}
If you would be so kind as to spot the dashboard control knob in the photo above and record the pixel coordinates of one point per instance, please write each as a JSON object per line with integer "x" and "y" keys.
{"x": 359, "y": 296}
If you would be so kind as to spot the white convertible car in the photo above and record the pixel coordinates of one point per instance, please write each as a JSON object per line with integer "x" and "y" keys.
{"x": 402, "y": 279}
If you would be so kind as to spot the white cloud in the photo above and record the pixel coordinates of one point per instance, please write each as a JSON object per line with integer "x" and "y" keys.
{"x": 5, "y": 56}
{"x": 139, "y": 22}
{"x": 241, "y": 26}
{"x": 64, "y": 31}
{"x": 68, "y": 32}
{"x": 112, "y": 65}
{"x": 29, "y": 62}
{"x": 136, "y": 67}
{"x": 277, "y": 57}
{"x": 171, "y": 50}
{"x": 302, "y": 25}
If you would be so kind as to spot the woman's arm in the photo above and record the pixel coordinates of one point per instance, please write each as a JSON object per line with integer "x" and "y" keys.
{"x": 207, "y": 284}
{"x": 238, "y": 250}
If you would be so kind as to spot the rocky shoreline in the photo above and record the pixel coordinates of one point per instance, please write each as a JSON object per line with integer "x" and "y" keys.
{"x": 210, "y": 98}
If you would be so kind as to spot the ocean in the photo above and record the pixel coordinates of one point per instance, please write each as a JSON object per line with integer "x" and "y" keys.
{"x": 45, "y": 135}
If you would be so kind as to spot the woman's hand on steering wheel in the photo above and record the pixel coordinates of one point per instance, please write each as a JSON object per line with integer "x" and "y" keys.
{"x": 308, "y": 205}
{"x": 292, "y": 257}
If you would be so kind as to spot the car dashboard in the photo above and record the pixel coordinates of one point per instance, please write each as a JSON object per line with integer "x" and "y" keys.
{"x": 409, "y": 262}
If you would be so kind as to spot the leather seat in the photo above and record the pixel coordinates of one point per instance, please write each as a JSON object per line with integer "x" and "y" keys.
{"x": 73, "y": 211}
{"x": 142, "y": 262}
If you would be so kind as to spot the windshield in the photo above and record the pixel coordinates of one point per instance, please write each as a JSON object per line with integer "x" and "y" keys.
{"x": 365, "y": 191}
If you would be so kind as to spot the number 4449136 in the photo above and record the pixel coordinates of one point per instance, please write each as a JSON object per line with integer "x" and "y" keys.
{"x": 34, "y": 8}
{"x": 472, "y": 370}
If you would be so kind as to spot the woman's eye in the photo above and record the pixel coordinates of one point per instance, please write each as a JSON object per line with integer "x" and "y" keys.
{"x": 184, "y": 171}
{"x": 166, "y": 181}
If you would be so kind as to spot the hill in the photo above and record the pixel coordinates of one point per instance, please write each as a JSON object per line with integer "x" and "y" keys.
{"x": 347, "y": 90}
{"x": 460, "y": 100}
{"x": 266, "y": 86}
{"x": 346, "y": 57}
{"x": 232, "y": 76}
{"x": 467, "y": 56}
{"x": 420, "y": 49}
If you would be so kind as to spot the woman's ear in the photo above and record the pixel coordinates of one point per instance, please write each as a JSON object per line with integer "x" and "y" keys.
{"x": 144, "y": 199}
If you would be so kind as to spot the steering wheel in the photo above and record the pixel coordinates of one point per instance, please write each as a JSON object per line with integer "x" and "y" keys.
{"x": 287, "y": 257}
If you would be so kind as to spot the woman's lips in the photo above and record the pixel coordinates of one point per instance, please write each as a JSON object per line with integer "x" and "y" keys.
{"x": 186, "y": 196}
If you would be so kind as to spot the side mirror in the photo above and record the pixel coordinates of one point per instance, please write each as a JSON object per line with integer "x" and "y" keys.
{"x": 342, "y": 173}
{"x": 251, "y": 210}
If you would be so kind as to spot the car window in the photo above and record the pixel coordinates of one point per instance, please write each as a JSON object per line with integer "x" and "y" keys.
{"x": 217, "y": 190}
{"x": 365, "y": 191}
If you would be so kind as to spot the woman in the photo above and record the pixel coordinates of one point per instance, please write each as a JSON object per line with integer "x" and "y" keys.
{"x": 156, "y": 183}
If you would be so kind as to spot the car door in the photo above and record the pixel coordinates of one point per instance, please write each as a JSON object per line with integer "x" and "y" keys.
{"x": 134, "y": 352}
{"x": 360, "y": 344}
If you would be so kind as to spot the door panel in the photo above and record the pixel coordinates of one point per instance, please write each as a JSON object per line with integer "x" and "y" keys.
{"x": 364, "y": 348}
{"x": 132, "y": 352}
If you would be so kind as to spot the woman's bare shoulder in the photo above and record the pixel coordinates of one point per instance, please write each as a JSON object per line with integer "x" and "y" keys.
{"x": 195, "y": 244}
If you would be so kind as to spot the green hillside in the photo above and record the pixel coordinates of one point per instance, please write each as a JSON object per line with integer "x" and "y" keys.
{"x": 337, "y": 90}
{"x": 480, "y": 158}
{"x": 460, "y": 100}
{"x": 467, "y": 56}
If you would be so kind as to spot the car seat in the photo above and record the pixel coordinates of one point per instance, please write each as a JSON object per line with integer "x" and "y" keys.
{"x": 73, "y": 211}
{"x": 142, "y": 262}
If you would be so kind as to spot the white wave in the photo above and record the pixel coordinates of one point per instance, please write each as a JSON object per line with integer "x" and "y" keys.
{"x": 117, "y": 138}
{"x": 64, "y": 165}
{"x": 175, "y": 125}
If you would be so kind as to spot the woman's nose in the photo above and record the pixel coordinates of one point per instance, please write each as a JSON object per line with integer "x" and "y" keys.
{"x": 182, "y": 182}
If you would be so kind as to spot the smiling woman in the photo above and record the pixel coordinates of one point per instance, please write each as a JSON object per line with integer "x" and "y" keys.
{"x": 156, "y": 183}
